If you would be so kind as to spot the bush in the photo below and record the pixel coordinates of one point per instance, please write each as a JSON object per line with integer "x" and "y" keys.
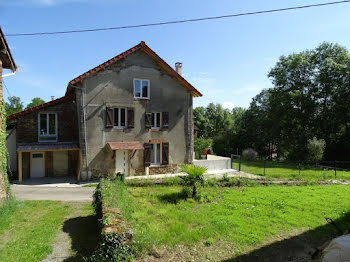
{"x": 249, "y": 154}
{"x": 200, "y": 144}
{"x": 194, "y": 179}
{"x": 315, "y": 149}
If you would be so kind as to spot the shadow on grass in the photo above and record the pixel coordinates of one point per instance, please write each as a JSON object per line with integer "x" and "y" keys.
{"x": 298, "y": 248}
{"x": 84, "y": 233}
{"x": 172, "y": 198}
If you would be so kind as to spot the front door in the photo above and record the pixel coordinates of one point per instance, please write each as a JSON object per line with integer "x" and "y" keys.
{"x": 121, "y": 161}
{"x": 37, "y": 164}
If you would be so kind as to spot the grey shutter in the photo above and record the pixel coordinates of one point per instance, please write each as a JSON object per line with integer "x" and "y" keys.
{"x": 131, "y": 117}
{"x": 109, "y": 117}
{"x": 165, "y": 153}
{"x": 148, "y": 120}
{"x": 165, "y": 120}
{"x": 147, "y": 154}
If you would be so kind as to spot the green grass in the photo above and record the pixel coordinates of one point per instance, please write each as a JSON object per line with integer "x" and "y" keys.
{"x": 27, "y": 229}
{"x": 290, "y": 171}
{"x": 244, "y": 217}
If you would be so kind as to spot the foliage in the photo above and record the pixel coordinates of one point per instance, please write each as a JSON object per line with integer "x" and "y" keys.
{"x": 200, "y": 144}
{"x": 194, "y": 177}
{"x": 97, "y": 200}
{"x": 249, "y": 154}
{"x": 159, "y": 223}
{"x": 120, "y": 177}
{"x": 14, "y": 105}
{"x": 111, "y": 249}
{"x": 3, "y": 150}
{"x": 36, "y": 101}
{"x": 315, "y": 149}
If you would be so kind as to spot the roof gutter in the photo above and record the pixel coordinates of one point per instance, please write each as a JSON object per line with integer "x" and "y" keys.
{"x": 10, "y": 74}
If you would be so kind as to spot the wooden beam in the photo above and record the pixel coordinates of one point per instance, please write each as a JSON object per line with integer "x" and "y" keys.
{"x": 20, "y": 166}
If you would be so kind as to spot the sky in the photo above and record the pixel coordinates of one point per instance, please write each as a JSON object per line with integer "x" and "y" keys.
{"x": 227, "y": 60}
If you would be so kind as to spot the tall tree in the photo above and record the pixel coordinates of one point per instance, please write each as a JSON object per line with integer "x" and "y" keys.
{"x": 13, "y": 105}
{"x": 36, "y": 101}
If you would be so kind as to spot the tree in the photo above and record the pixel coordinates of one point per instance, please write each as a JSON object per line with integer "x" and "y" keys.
{"x": 315, "y": 149}
{"x": 194, "y": 177}
{"x": 35, "y": 102}
{"x": 14, "y": 105}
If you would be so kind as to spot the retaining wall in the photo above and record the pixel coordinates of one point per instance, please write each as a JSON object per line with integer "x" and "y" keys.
{"x": 214, "y": 162}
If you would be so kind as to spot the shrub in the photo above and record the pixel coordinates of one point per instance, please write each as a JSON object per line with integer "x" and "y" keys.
{"x": 315, "y": 149}
{"x": 200, "y": 144}
{"x": 249, "y": 154}
{"x": 120, "y": 176}
{"x": 194, "y": 179}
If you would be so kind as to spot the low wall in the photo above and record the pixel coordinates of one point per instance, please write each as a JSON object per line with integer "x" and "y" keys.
{"x": 214, "y": 162}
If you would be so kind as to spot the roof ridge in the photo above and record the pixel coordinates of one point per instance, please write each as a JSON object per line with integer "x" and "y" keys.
{"x": 35, "y": 108}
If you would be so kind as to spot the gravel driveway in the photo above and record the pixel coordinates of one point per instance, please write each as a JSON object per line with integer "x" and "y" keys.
{"x": 31, "y": 192}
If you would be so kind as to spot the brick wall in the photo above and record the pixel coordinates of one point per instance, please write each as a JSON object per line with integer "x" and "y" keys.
{"x": 67, "y": 120}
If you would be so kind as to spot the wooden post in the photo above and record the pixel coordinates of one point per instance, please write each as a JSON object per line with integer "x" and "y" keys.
{"x": 20, "y": 166}
{"x": 239, "y": 164}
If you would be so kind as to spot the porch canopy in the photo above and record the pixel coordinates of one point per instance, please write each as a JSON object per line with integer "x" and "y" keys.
{"x": 129, "y": 145}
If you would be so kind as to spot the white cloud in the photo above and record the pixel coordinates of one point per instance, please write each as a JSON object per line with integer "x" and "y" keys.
{"x": 228, "y": 105}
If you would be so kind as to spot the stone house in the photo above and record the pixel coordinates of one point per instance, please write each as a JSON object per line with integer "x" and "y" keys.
{"x": 6, "y": 62}
{"x": 131, "y": 114}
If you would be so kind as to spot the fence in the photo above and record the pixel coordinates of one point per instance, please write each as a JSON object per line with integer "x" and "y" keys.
{"x": 294, "y": 169}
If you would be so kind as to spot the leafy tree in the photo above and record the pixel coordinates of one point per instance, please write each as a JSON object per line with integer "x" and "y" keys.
{"x": 13, "y": 105}
{"x": 315, "y": 149}
{"x": 200, "y": 144}
{"x": 35, "y": 102}
{"x": 194, "y": 177}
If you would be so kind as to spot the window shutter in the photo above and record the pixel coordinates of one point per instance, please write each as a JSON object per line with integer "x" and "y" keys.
{"x": 148, "y": 120}
{"x": 165, "y": 153}
{"x": 131, "y": 117}
{"x": 147, "y": 154}
{"x": 165, "y": 120}
{"x": 109, "y": 117}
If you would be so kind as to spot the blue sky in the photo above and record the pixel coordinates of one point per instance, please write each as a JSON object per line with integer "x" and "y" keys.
{"x": 227, "y": 60}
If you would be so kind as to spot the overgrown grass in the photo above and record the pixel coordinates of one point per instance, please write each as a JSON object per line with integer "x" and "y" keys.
{"x": 242, "y": 216}
{"x": 290, "y": 171}
{"x": 27, "y": 229}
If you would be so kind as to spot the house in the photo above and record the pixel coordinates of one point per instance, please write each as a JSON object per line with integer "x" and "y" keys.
{"x": 131, "y": 114}
{"x": 6, "y": 62}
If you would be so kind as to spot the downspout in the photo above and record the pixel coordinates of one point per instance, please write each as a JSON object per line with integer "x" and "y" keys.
{"x": 84, "y": 124}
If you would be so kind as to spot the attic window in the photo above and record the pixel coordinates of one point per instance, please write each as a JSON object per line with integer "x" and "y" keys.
{"x": 141, "y": 88}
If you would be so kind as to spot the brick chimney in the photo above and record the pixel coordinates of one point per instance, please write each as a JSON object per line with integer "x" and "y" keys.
{"x": 178, "y": 67}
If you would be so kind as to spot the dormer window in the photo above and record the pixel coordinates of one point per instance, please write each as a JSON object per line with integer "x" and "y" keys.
{"x": 141, "y": 88}
{"x": 47, "y": 127}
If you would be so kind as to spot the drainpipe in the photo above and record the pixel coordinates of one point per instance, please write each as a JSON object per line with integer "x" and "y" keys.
{"x": 84, "y": 121}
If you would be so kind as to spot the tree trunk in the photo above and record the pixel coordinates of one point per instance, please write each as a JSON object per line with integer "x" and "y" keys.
{"x": 194, "y": 191}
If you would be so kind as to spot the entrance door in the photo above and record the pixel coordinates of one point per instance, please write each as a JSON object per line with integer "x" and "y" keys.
{"x": 37, "y": 164}
{"x": 121, "y": 161}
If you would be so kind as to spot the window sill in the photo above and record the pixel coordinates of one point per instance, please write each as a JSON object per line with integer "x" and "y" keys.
{"x": 155, "y": 129}
{"x": 141, "y": 98}
{"x": 119, "y": 127}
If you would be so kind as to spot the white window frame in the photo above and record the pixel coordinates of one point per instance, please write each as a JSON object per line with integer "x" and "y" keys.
{"x": 148, "y": 89}
{"x": 154, "y": 148}
{"x": 47, "y": 127}
{"x": 154, "y": 124}
{"x": 119, "y": 126}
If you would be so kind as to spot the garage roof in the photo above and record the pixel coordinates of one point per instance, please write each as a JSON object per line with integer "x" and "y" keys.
{"x": 29, "y": 147}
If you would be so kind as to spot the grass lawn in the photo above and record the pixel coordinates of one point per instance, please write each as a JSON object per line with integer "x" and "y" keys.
{"x": 289, "y": 171}
{"x": 240, "y": 217}
{"x": 28, "y": 228}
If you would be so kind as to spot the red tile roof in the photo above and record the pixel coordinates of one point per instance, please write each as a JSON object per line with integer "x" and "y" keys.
{"x": 141, "y": 46}
{"x": 35, "y": 108}
{"x": 130, "y": 145}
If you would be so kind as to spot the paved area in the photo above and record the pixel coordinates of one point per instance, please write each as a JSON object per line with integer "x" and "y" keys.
{"x": 32, "y": 192}
{"x": 208, "y": 174}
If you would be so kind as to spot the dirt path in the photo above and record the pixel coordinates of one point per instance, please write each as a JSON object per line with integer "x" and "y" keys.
{"x": 78, "y": 235}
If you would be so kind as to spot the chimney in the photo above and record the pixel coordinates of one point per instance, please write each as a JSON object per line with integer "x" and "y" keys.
{"x": 178, "y": 67}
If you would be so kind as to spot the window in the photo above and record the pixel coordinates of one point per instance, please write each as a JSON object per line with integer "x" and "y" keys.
{"x": 47, "y": 127}
{"x": 156, "y": 120}
{"x": 119, "y": 117}
{"x": 141, "y": 88}
{"x": 156, "y": 154}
